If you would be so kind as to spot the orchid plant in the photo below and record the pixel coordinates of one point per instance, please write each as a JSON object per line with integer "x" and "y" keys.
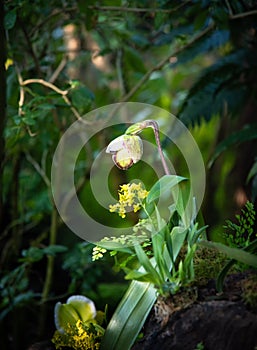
{"x": 155, "y": 244}
{"x": 158, "y": 256}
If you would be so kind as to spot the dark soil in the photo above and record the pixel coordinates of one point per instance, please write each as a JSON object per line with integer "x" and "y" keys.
{"x": 202, "y": 319}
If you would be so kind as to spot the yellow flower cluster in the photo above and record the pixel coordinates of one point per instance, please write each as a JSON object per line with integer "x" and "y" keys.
{"x": 81, "y": 336}
{"x": 130, "y": 196}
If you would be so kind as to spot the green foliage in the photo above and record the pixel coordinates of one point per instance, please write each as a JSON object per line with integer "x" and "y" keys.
{"x": 14, "y": 290}
{"x": 160, "y": 266}
{"x": 248, "y": 133}
{"x": 34, "y": 254}
{"x": 156, "y": 256}
{"x": 242, "y": 247}
{"x": 240, "y": 255}
{"x": 129, "y": 317}
{"x": 120, "y": 55}
{"x": 15, "y": 285}
{"x": 239, "y": 235}
{"x": 218, "y": 86}
{"x": 199, "y": 346}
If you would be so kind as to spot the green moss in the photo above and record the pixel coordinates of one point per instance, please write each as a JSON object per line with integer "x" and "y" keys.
{"x": 250, "y": 292}
{"x": 207, "y": 264}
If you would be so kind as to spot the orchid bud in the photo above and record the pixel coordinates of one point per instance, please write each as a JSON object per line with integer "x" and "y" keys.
{"x": 126, "y": 150}
{"x": 137, "y": 128}
{"x": 77, "y": 308}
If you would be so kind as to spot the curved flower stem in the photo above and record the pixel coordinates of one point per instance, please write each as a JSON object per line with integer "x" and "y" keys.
{"x": 153, "y": 124}
{"x": 138, "y": 127}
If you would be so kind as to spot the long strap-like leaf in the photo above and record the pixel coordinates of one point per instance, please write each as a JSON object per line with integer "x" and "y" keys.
{"x": 222, "y": 275}
{"x": 129, "y": 317}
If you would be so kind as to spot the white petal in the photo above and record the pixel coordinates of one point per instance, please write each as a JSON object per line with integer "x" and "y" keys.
{"x": 115, "y": 145}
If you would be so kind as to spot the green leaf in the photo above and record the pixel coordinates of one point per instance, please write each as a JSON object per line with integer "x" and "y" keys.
{"x": 234, "y": 253}
{"x": 215, "y": 39}
{"x": 223, "y": 273}
{"x": 158, "y": 251}
{"x": 178, "y": 236}
{"x": 54, "y": 248}
{"x": 219, "y": 84}
{"x": 249, "y": 132}
{"x": 252, "y": 172}
{"x": 10, "y": 19}
{"x": 147, "y": 264}
{"x": 139, "y": 276}
{"x": 133, "y": 61}
{"x": 163, "y": 185}
{"x": 221, "y": 277}
{"x": 81, "y": 97}
{"x": 129, "y": 317}
{"x": 200, "y": 19}
{"x": 32, "y": 254}
{"x": 112, "y": 245}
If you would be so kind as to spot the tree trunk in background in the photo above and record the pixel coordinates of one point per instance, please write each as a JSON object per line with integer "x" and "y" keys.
{"x": 2, "y": 103}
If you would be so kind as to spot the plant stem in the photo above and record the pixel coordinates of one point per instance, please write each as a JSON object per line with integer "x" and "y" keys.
{"x": 50, "y": 259}
{"x": 49, "y": 272}
{"x": 153, "y": 124}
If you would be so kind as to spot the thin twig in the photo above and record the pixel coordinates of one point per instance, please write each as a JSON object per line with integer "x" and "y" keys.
{"x": 45, "y": 83}
{"x": 22, "y": 91}
{"x": 53, "y": 14}
{"x": 30, "y": 46}
{"x": 137, "y": 9}
{"x": 31, "y": 133}
{"x": 120, "y": 72}
{"x": 229, "y": 8}
{"x": 58, "y": 70}
{"x": 162, "y": 63}
{"x": 38, "y": 168}
{"x": 63, "y": 93}
{"x": 244, "y": 14}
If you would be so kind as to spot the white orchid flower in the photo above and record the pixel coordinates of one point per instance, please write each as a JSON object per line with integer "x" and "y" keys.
{"x": 126, "y": 150}
{"x": 77, "y": 307}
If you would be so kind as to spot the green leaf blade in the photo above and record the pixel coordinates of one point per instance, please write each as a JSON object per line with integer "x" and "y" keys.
{"x": 129, "y": 317}
{"x": 163, "y": 185}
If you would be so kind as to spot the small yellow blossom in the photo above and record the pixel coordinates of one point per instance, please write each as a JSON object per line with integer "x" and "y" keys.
{"x": 136, "y": 207}
{"x": 98, "y": 253}
{"x": 79, "y": 336}
{"x": 130, "y": 196}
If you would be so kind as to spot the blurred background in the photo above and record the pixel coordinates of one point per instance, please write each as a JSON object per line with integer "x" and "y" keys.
{"x": 196, "y": 59}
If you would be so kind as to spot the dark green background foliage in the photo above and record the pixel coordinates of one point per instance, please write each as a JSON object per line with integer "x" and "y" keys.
{"x": 196, "y": 59}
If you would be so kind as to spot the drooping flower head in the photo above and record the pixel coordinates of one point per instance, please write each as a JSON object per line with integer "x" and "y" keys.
{"x": 126, "y": 150}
